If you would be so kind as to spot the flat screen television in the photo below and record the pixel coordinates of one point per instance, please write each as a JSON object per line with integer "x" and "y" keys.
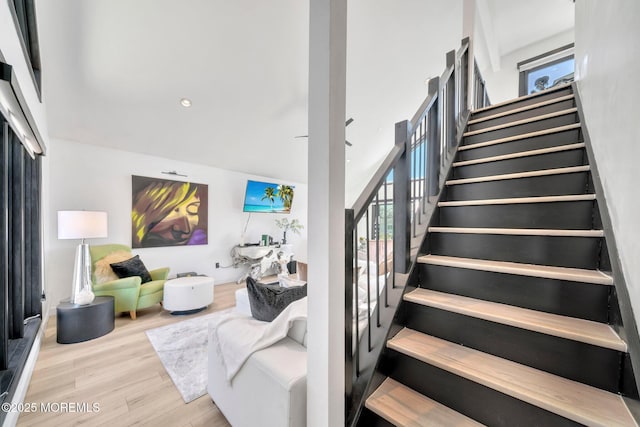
{"x": 268, "y": 197}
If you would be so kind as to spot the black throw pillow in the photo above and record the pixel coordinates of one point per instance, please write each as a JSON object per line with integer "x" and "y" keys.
{"x": 268, "y": 301}
{"x": 131, "y": 267}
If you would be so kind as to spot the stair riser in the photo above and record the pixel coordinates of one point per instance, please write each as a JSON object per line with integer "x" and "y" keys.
{"x": 370, "y": 419}
{"x": 474, "y": 400}
{"x": 548, "y": 185}
{"x": 523, "y": 164}
{"x": 522, "y": 103}
{"x": 574, "y": 299}
{"x": 560, "y": 251}
{"x": 596, "y": 366}
{"x": 546, "y": 109}
{"x": 561, "y": 215}
{"x": 565, "y": 119}
{"x": 544, "y": 141}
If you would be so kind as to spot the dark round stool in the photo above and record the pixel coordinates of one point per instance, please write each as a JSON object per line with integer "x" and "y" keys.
{"x": 76, "y": 323}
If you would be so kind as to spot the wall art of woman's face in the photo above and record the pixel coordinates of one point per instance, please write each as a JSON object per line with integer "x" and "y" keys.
{"x": 179, "y": 224}
{"x": 168, "y": 213}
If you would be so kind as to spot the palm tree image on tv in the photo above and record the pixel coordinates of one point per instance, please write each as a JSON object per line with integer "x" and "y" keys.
{"x": 268, "y": 197}
{"x": 285, "y": 192}
{"x": 269, "y": 194}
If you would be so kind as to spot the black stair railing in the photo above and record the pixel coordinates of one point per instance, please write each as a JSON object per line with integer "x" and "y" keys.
{"x": 481, "y": 98}
{"x": 385, "y": 226}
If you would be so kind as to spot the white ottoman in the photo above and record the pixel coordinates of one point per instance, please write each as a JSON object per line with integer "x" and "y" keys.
{"x": 188, "y": 294}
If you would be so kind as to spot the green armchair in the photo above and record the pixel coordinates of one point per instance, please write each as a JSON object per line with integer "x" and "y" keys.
{"x": 128, "y": 293}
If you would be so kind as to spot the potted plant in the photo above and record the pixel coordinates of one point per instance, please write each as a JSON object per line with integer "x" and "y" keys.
{"x": 286, "y": 225}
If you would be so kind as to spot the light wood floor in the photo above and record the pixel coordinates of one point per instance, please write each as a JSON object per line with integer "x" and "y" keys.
{"x": 121, "y": 373}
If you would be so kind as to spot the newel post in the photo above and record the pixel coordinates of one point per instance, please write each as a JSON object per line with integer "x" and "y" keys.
{"x": 450, "y": 103}
{"x": 402, "y": 200}
{"x": 349, "y": 278}
{"x": 467, "y": 78}
{"x": 434, "y": 121}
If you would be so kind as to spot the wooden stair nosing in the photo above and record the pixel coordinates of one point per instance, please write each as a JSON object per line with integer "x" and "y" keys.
{"x": 522, "y": 98}
{"x": 518, "y": 175}
{"x": 403, "y": 406}
{"x": 521, "y": 109}
{"x": 519, "y": 137}
{"x": 575, "y": 329}
{"x": 595, "y": 277}
{"x": 520, "y": 200}
{"x": 549, "y": 150}
{"x": 551, "y": 232}
{"x": 578, "y": 402}
{"x": 571, "y": 110}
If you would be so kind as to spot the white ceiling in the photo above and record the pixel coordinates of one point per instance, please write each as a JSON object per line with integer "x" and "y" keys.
{"x": 520, "y": 23}
{"x": 114, "y": 72}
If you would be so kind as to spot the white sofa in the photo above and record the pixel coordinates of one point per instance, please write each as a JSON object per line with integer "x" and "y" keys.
{"x": 270, "y": 389}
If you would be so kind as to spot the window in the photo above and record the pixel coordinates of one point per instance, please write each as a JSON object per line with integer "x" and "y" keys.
{"x": 24, "y": 17}
{"x": 20, "y": 239}
{"x": 547, "y": 70}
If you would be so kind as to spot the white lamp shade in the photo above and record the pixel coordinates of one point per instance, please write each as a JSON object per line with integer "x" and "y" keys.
{"x": 82, "y": 224}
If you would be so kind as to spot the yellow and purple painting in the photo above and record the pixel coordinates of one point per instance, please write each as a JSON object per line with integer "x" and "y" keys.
{"x": 168, "y": 213}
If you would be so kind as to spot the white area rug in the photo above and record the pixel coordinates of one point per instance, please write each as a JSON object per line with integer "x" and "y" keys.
{"x": 182, "y": 349}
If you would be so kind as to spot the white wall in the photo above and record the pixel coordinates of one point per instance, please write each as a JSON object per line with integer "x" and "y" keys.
{"x": 387, "y": 66}
{"x": 502, "y": 84}
{"x": 607, "y": 69}
{"x": 82, "y": 176}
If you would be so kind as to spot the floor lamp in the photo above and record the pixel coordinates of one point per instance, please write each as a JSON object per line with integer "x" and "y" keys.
{"x": 82, "y": 225}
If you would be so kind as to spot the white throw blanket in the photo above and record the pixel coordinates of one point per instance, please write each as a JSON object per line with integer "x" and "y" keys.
{"x": 236, "y": 336}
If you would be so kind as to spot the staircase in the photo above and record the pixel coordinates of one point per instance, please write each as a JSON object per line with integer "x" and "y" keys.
{"x": 510, "y": 317}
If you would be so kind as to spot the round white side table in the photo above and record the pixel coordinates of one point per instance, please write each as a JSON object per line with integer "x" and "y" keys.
{"x": 187, "y": 295}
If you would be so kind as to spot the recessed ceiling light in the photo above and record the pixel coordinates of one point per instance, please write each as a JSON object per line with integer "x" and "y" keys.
{"x": 185, "y": 102}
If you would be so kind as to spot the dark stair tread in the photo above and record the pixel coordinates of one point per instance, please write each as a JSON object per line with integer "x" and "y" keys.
{"x": 522, "y": 98}
{"x": 550, "y": 272}
{"x": 520, "y": 200}
{"x": 518, "y": 175}
{"x": 519, "y": 137}
{"x": 586, "y": 331}
{"x": 519, "y": 231}
{"x": 521, "y": 109}
{"x": 520, "y": 154}
{"x": 403, "y": 406}
{"x": 578, "y": 402}
{"x": 522, "y": 121}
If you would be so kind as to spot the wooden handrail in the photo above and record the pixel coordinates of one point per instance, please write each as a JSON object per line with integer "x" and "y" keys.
{"x": 463, "y": 48}
{"x": 380, "y": 175}
{"x": 446, "y": 75}
{"x": 432, "y": 98}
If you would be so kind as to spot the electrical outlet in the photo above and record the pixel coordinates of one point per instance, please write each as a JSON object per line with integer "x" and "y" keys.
{"x": 217, "y": 265}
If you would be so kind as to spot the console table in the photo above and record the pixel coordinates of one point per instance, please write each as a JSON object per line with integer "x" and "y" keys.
{"x": 77, "y": 323}
{"x": 259, "y": 258}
